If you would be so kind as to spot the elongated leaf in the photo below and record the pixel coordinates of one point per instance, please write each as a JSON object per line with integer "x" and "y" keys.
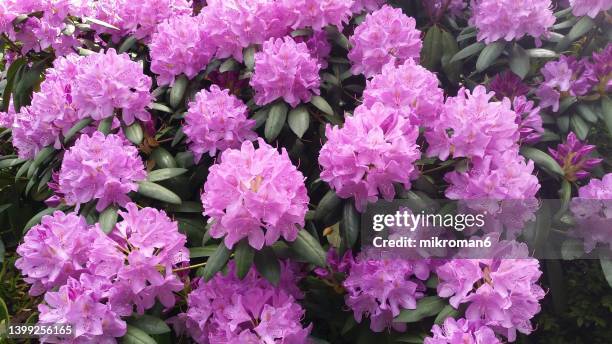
{"x": 308, "y": 248}
{"x": 563, "y": 122}
{"x": 322, "y": 104}
{"x": 165, "y": 173}
{"x": 160, "y": 107}
{"x": 178, "y": 137}
{"x": 11, "y": 74}
{"x": 105, "y": 125}
{"x": 134, "y": 133}
{"x": 260, "y": 117}
{"x": 349, "y": 226}
{"x": 11, "y": 163}
{"x": 158, "y": 192}
{"x": 150, "y": 324}
{"x": 606, "y": 108}
{"x": 229, "y": 65}
{"x": 431, "y": 54}
{"x": 426, "y": 307}
{"x": 579, "y": 126}
{"x": 541, "y": 53}
{"x": 2, "y": 250}
{"x": 244, "y": 258}
{"x": 587, "y": 113}
{"x": 216, "y": 262}
{"x": 267, "y": 265}
{"x": 329, "y": 208}
{"x": 276, "y": 120}
{"x": 249, "y": 57}
{"x": 185, "y": 207}
{"x": 36, "y": 218}
{"x": 449, "y": 49}
{"x": 519, "y": 61}
{"x": 177, "y": 92}
{"x": 566, "y": 102}
{"x": 489, "y": 54}
{"x": 584, "y": 25}
{"x": 299, "y": 120}
{"x": 204, "y": 251}
{"x": 77, "y": 128}
{"x": 127, "y": 44}
{"x": 447, "y": 311}
{"x": 99, "y": 22}
{"x": 108, "y": 219}
{"x": 606, "y": 266}
{"x": 543, "y": 160}
{"x": 163, "y": 158}
{"x": 134, "y": 335}
{"x": 4, "y": 313}
{"x": 468, "y": 51}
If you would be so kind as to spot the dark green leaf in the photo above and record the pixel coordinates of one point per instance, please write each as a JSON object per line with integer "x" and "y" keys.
{"x": 134, "y": 335}
{"x": 163, "y": 158}
{"x": 447, "y": 311}
{"x": 150, "y": 324}
{"x": 267, "y": 265}
{"x": 329, "y": 206}
{"x": 489, "y": 54}
{"x": 606, "y": 108}
{"x": 584, "y": 25}
{"x": 158, "y": 192}
{"x": 134, "y": 133}
{"x": 127, "y": 44}
{"x": 229, "y": 65}
{"x": 309, "y": 249}
{"x": 543, "y": 160}
{"x": 177, "y": 92}
{"x": 579, "y": 126}
{"x": 11, "y": 74}
{"x": 105, "y": 125}
{"x": 426, "y": 307}
{"x": 260, "y": 117}
{"x": 249, "y": 57}
{"x": 606, "y": 266}
{"x": 99, "y": 22}
{"x": 108, "y": 219}
{"x": 12, "y": 163}
{"x": 468, "y": 51}
{"x": 77, "y": 128}
{"x": 160, "y": 107}
{"x": 204, "y": 251}
{"x": 186, "y": 207}
{"x": 349, "y": 226}
{"x": 299, "y": 120}
{"x": 519, "y": 61}
{"x": 165, "y": 173}
{"x": 216, "y": 262}
{"x": 587, "y": 113}
{"x": 244, "y": 258}
{"x": 322, "y": 104}
{"x": 276, "y": 121}
{"x": 431, "y": 54}
{"x": 36, "y": 218}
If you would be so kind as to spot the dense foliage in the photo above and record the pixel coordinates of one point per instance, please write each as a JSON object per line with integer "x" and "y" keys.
{"x": 194, "y": 171}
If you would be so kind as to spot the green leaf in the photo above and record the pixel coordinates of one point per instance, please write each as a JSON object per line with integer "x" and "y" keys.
{"x": 36, "y": 218}
{"x": 229, "y": 65}
{"x": 165, "y": 173}
{"x": 2, "y": 250}
{"x": 276, "y": 121}
{"x": 249, "y": 57}
{"x": 606, "y": 267}
{"x": 411, "y": 338}
{"x": 563, "y": 123}
{"x": 447, "y": 311}
{"x": 99, "y": 22}
{"x": 158, "y": 192}
{"x": 267, "y": 265}
{"x": 244, "y": 258}
{"x": 108, "y": 219}
{"x": 134, "y": 133}
{"x": 260, "y": 117}
{"x": 163, "y": 158}
{"x": 4, "y": 313}
{"x": 40, "y": 157}
{"x": 216, "y": 262}
{"x": 572, "y": 249}
{"x": 77, "y": 128}
{"x": 584, "y": 25}
{"x": 519, "y": 61}
{"x": 450, "y": 48}
{"x": 204, "y": 251}
{"x": 541, "y": 53}
{"x": 299, "y": 120}
{"x": 349, "y": 226}
{"x": 565, "y": 103}
{"x": 606, "y": 107}
{"x": 160, "y": 107}
{"x": 587, "y": 113}
{"x": 180, "y": 134}
{"x": 329, "y": 206}
{"x": 23, "y": 169}
{"x": 426, "y": 307}
{"x": 431, "y": 54}
{"x": 150, "y": 324}
{"x": 177, "y": 92}
{"x": 580, "y": 127}
{"x": 322, "y": 104}
{"x": 11, "y": 163}
{"x": 468, "y": 51}
{"x": 11, "y": 74}
{"x": 134, "y": 335}
{"x": 309, "y": 249}
{"x": 185, "y": 207}
{"x": 127, "y": 44}
{"x": 489, "y": 54}
{"x": 105, "y": 125}
{"x": 543, "y": 160}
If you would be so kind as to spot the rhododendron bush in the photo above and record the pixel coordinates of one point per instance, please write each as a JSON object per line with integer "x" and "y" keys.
{"x": 197, "y": 171}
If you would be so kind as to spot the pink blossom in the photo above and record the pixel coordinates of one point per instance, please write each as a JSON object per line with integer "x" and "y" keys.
{"x": 215, "y": 121}
{"x": 461, "y": 332}
{"x": 590, "y": 8}
{"x": 592, "y": 210}
{"x": 256, "y": 194}
{"x": 567, "y": 75}
{"x": 386, "y": 36}
{"x": 319, "y": 13}
{"x": 375, "y": 148}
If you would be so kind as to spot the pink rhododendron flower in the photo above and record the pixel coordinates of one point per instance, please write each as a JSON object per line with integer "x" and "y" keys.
{"x": 54, "y": 250}
{"x": 471, "y": 125}
{"x": 138, "y": 257}
{"x": 215, "y": 121}
{"x": 601, "y": 68}
{"x": 375, "y": 148}
{"x": 528, "y": 120}
{"x": 592, "y": 211}
{"x": 30, "y": 134}
{"x": 106, "y": 82}
{"x": 98, "y": 167}
{"x": 386, "y": 36}
{"x": 409, "y": 88}
{"x": 229, "y": 310}
{"x": 256, "y": 194}
{"x": 461, "y": 332}
{"x": 590, "y": 8}
{"x": 380, "y": 289}
{"x": 285, "y": 69}
{"x": 318, "y": 13}
{"x": 81, "y": 303}
{"x": 502, "y": 294}
{"x": 574, "y": 157}
{"x": 564, "y": 76}
{"x": 509, "y": 20}
{"x": 179, "y": 46}
{"x": 318, "y": 45}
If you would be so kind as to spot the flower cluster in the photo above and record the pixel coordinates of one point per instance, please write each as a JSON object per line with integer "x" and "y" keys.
{"x": 216, "y": 121}
{"x": 567, "y": 76}
{"x": 318, "y": 45}
{"x": 386, "y": 36}
{"x": 574, "y": 158}
{"x": 461, "y": 332}
{"x": 601, "y": 68}
{"x": 176, "y": 49}
{"x": 106, "y": 82}
{"x": 285, "y": 69}
{"x": 509, "y": 20}
{"x": 528, "y": 120}
{"x": 381, "y": 288}
{"x": 318, "y": 14}
{"x": 502, "y": 294}
{"x": 229, "y": 310}
{"x": 409, "y": 88}
{"x": 256, "y": 194}
{"x": 590, "y": 8}
{"x": 470, "y": 125}
{"x": 102, "y": 277}
{"x": 98, "y": 167}
{"x": 375, "y": 148}
{"x": 592, "y": 210}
